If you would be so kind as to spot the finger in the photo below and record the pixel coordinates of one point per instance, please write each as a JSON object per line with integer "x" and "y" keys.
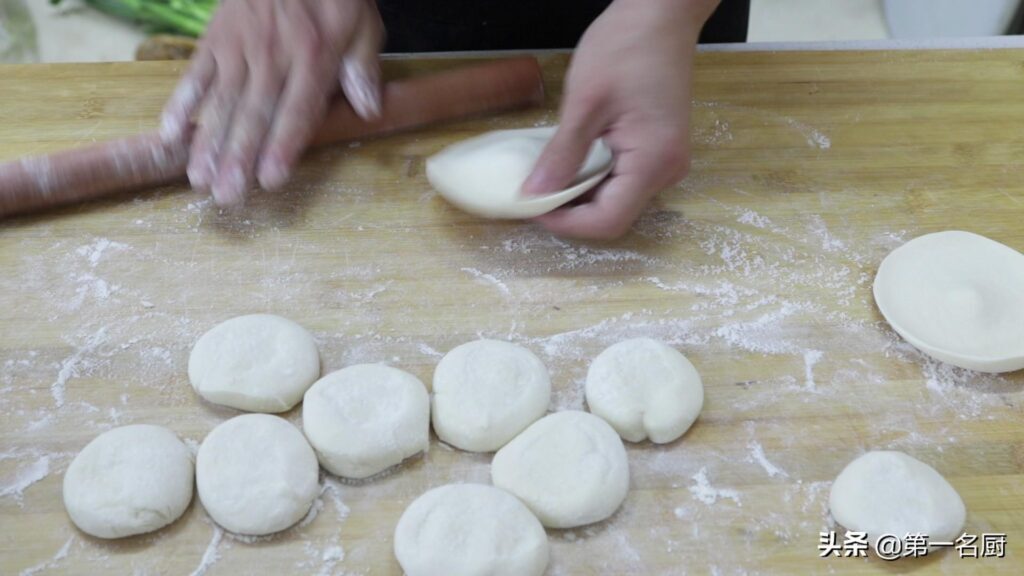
{"x": 236, "y": 168}
{"x": 249, "y": 127}
{"x": 638, "y": 177}
{"x": 360, "y": 68}
{"x": 339, "y": 21}
{"x": 609, "y": 215}
{"x": 215, "y": 120}
{"x": 187, "y": 96}
{"x": 302, "y": 106}
{"x": 558, "y": 164}
{"x": 303, "y": 100}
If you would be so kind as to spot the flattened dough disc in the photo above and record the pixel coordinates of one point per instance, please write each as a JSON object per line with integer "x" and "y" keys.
{"x": 483, "y": 175}
{"x": 958, "y": 297}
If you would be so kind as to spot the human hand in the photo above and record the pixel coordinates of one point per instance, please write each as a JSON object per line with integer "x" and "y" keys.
{"x": 629, "y": 83}
{"x": 260, "y": 83}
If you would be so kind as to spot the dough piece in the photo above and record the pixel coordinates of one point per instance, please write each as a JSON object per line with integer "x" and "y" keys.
{"x": 957, "y": 297}
{"x": 645, "y": 389}
{"x": 486, "y": 392}
{"x": 470, "y": 530}
{"x": 366, "y": 418}
{"x": 258, "y": 363}
{"x": 256, "y": 474}
{"x": 569, "y": 468}
{"x": 129, "y": 480}
{"x": 886, "y": 492}
{"x": 483, "y": 175}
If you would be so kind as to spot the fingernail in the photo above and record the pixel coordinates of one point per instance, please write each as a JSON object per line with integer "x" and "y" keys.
{"x": 170, "y": 128}
{"x": 196, "y": 176}
{"x": 231, "y": 189}
{"x": 272, "y": 174}
{"x": 200, "y": 172}
{"x": 370, "y": 96}
{"x": 362, "y": 90}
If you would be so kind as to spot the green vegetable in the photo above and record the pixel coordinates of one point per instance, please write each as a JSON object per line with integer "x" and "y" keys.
{"x": 188, "y": 17}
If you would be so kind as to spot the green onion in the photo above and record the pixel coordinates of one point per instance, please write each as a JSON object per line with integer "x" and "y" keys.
{"x": 188, "y": 17}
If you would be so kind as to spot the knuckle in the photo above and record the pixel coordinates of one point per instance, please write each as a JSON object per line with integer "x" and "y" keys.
{"x": 586, "y": 103}
{"x": 311, "y": 45}
{"x": 617, "y": 229}
{"x": 265, "y": 51}
{"x": 610, "y": 227}
{"x": 673, "y": 155}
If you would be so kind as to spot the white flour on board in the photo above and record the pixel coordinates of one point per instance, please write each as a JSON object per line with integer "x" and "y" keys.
{"x": 737, "y": 302}
{"x": 25, "y": 476}
{"x": 212, "y": 553}
{"x": 489, "y": 279}
{"x": 785, "y": 290}
{"x": 811, "y": 357}
{"x": 703, "y": 490}
{"x": 758, "y": 456}
{"x": 94, "y": 251}
{"x": 53, "y": 562}
{"x": 720, "y": 132}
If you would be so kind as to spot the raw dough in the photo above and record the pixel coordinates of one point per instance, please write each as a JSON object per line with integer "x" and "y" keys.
{"x": 129, "y": 480}
{"x": 483, "y": 175}
{"x": 366, "y": 418}
{"x": 645, "y": 389}
{"x": 958, "y": 297}
{"x": 569, "y": 468}
{"x": 486, "y": 392}
{"x": 886, "y": 492}
{"x": 258, "y": 363}
{"x": 470, "y": 530}
{"x": 256, "y": 474}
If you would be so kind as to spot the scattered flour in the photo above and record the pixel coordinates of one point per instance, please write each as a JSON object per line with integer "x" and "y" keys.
{"x": 53, "y": 562}
{"x": 703, "y": 490}
{"x": 754, "y": 219}
{"x": 814, "y": 137}
{"x": 212, "y": 553}
{"x": 741, "y": 286}
{"x": 490, "y": 279}
{"x": 25, "y": 477}
{"x": 95, "y": 250}
{"x": 73, "y": 365}
{"x": 811, "y": 358}
{"x": 757, "y": 456}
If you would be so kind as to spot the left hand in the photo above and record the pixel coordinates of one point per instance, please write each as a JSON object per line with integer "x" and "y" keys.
{"x": 629, "y": 83}
{"x": 260, "y": 83}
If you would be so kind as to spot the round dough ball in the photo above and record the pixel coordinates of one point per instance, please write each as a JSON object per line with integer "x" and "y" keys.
{"x": 483, "y": 175}
{"x": 258, "y": 363}
{"x": 957, "y": 297}
{"x": 645, "y": 389}
{"x": 886, "y": 492}
{"x": 569, "y": 468}
{"x": 486, "y": 392}
{"x": 129, "y": 480}
{"x": 470, "y": 530}
{"x": 256, "y": 474}
{"x": 366, "y": 418}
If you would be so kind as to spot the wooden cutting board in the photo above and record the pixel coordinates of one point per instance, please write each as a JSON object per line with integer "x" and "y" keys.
{"x": 808, "y": 168}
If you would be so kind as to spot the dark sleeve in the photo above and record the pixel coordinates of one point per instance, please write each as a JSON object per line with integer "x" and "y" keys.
{"x": 463, "y": 25}
{"x": 728, "y": 23}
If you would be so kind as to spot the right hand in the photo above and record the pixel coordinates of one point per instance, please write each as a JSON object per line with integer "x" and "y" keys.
{"x": 260, "y": 82}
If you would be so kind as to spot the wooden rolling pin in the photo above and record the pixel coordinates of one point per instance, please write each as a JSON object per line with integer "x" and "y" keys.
{"x": 80, "y": 174}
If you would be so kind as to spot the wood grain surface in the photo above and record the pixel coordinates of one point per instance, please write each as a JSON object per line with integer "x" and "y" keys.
{"x": 808, "y": 168}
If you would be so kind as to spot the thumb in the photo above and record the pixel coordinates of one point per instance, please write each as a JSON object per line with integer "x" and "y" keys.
{"x": 562, "y": 157}
{"x": 359, "y": 73}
